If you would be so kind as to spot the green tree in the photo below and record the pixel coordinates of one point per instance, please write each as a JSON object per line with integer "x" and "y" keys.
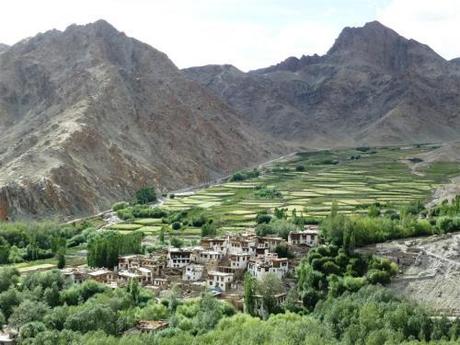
{"x": 28, "y": 311}
{"x": 8, "y": 277}
{"x": 15, "y": 255}
{"x": 208, "y": 230}
{"x": 161, "y": 237}
{"x": 134, "y": 290}
{"x": 60, "y": 258}
{"x": 268, "y": 288}
{"x": 176, "y": 242}
{"x": 4, "y": 251}
{"x": 249, "y": 294}
{"x": 146, "y": 195}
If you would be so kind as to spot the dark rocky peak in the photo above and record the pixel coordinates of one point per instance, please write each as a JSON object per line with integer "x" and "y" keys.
{"x": 380, "y": 47}
{"x": 86, "y": 46}
{"x": 100, "y": 28}
{"x": 291, "y": 64}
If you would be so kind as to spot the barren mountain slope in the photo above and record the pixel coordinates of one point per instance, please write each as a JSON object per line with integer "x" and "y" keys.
{"x": 372, "y": 87}
{"x": 89, "y": 115}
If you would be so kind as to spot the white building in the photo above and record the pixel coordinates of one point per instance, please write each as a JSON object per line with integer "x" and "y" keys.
{"x": 193, "y": 272}
{"x": 208, "y": 257}
{"x": 260, "y": 266}
{"x": 221, "y": 280}
{"x": 239, "y": 261}
{"x": 178, "y": 257}
{"x": 309, "y": 236}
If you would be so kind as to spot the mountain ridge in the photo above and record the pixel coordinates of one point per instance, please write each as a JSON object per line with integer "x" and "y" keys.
{"x": 373, "y": 87}
{"x": 91, "y": 115}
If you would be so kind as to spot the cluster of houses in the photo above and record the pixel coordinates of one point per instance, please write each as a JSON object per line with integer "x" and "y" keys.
{"x": 218, "y": 264}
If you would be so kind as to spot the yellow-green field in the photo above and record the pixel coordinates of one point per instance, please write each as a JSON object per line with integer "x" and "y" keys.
{"x": 378, "y": 176}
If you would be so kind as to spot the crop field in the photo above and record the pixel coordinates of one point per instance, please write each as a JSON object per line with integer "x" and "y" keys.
{"x": 354, "y": 179}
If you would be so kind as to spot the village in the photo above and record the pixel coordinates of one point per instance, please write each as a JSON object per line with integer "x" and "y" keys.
{"x": 218, "y": 265}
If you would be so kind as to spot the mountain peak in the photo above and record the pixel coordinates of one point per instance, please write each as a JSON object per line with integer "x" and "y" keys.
{"x": 100, "y": 27}
{"x": 379, "y": 46}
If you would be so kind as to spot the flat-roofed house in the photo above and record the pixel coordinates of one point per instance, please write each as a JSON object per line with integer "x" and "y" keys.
{"x": 126, "y": 276}
{"x": 102, "y": 276}
{"x": 206, "y": 257}
{"x": 259, "y": 266}
{"x": 221, "y": 280}
{"x": 239, "y": 261}
{"x": 193, "y": 272}
{"x": 179, "y": 257}
{"x": 307, "y": 237}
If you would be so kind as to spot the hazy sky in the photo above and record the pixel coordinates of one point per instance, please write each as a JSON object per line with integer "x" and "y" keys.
{"x": 246, "y": 33}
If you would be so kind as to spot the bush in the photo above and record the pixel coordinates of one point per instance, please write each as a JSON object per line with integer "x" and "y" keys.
{"x": 244, "y": 175}
{"x": 378, "y": 277}
{"x": 119, "y": 206}
{"x": 176, "y": 226}
{"x": 268, "y": 193}
{"x": 208, "y": 229}
{"x": 146, "y": 195}
{"x": 299, "y": 168}
{"x": 199, "y": 221}
{"x": 263, "y": 218}
{"x": 176, "y": 242}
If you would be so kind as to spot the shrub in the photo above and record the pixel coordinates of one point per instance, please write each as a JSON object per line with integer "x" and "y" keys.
{"x": 378, "y": 277}
{"x": 299, "y": 168}
{"x": 268, "y": 193}
{"x": 208, "y": 229}
{"x": 262, "y": 218}
{"x": 146, "y": 195}
{"x": 176, "y": 226}
{"x": 119, "y": 206}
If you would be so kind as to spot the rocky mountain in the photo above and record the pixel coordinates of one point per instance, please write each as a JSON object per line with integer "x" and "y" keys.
{"x": 373, "y": 87}
{"x": 89, "y": 115}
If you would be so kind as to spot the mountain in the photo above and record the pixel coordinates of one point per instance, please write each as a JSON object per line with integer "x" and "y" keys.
{"x": 3, "y": 47}
{"x": 373, "y": 87}
{"x": 89, "y": 115}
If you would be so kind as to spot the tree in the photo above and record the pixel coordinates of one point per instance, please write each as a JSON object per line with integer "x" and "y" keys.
{"x": 249, "y": 292}
{"x": 28, "y": 311}
{"x": 208, "y": 230}
{"x": 133, "y": 289}
{"x": 31, "y": 330}
{"x": 8, "y": 300}
{"x": 268, "y": 288}
{"x": 8, "y": 277}
{"x": 263, "y": 218}
{"x": 105, "y": 247}
{"x": 60, "y": 258}
{"x": 162, "y": 235}
{"x": 15, "y": 255}
{"x": 146, "y": 195}
{"x": 176, "y": 242}
{"x": 283, "y": 251}
{"x": 4, "y": 251}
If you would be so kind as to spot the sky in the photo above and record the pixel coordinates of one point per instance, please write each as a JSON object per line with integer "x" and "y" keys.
{"x": 246, "y": 33}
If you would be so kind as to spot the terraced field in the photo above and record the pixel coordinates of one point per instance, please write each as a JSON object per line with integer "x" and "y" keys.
{"x": 353, "y": 178}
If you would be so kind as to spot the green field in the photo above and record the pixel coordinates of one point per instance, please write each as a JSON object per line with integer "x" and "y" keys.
{"x": 379, "y": 175}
